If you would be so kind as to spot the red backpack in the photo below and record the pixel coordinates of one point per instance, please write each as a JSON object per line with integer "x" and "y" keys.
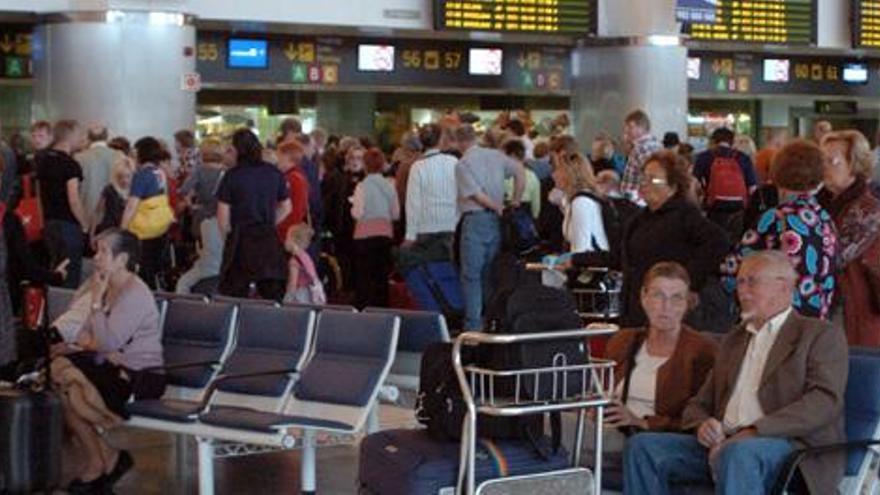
{"x": 726, "y": 181}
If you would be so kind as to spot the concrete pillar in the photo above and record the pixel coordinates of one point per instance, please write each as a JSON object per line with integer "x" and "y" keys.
{"x": 639, "y": 64}
{"x": 347, "y": 113}
{"x": 122, "y": 68}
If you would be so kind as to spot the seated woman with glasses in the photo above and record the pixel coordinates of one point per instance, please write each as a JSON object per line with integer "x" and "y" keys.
{"x": 659, "y": 366}
{"x": 671, "y": 228}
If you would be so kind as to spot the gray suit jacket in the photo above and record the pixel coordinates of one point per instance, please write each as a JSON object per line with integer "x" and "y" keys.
{"x": 801, "y": 392}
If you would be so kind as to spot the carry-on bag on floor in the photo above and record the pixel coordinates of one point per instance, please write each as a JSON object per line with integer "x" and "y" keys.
{"x": 30, "y": 441}
{"x": 411, "y": 462}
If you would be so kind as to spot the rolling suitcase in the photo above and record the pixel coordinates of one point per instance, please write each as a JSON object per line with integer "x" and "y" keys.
{"x": 30, "y": 441}
{"x": 435, "y": 286}
{"x": 410, "y": 462}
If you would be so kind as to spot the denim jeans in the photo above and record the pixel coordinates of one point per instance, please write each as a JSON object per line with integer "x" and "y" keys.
{"x": 64, "y": 240}
{"x": 652, "y": 462}
{"x": 480, "y": 242}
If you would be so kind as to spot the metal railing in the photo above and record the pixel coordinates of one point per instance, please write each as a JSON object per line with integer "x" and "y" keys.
{"x": 572, "y": 387}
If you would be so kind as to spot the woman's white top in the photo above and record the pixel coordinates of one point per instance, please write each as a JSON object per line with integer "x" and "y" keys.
{"x": 582, "y": 225}
{"x": 643, "y": 383}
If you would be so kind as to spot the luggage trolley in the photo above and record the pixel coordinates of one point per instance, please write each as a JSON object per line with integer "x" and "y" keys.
{"x": 479, "y": 384}
{"x": 596, "y": 292}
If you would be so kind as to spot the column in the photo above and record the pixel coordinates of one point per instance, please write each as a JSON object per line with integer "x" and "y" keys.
{"x": 346, "y": 113}
{"x": 123, "y": 68}
{"x": 639, "y": 63}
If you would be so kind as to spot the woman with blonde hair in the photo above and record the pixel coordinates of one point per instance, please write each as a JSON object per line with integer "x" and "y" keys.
{"x": 111, "y": 205}
{"x": 582, "y": 225}
{"x": 848, "y": 166}
{"x": 746, "y": 145}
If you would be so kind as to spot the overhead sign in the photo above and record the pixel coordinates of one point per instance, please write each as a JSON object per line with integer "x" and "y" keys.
{"x": 354, "y": 62}
{"x": 785, "y": 22}
{"x": 573, "y": 17}
{"x": 757, "y": 73}
{"x": 866, "y": 23}
{"x": 15, "y": 52}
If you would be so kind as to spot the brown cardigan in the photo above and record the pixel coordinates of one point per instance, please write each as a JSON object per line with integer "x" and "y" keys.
{"x": 678, "y": 379}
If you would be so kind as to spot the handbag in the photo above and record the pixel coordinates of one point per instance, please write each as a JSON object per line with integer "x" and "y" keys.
{"x": 154, "y": 215}
{"x": 29, "y": 211}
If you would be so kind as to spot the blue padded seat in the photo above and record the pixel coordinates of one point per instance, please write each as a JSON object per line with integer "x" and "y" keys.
{"x": 177, "y": 411}
{"x": 418, "y": 329}
{"x": 270, "y": 338}
{"x": 195, "y": 332}
{"x": 862, "y": 408}
{"x": 350, "y": 353}
{"x": 264, "y": 422}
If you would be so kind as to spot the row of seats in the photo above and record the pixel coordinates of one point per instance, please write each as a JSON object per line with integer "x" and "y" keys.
{"x": 256, "y": 373}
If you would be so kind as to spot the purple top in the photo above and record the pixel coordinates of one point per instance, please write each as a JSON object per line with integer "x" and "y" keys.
{"x": 131, "y": 327}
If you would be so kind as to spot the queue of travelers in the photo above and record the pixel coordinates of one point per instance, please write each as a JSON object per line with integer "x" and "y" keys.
{"x": 772, "y": 248}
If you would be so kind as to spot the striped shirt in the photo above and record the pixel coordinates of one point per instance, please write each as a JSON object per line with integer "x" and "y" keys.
{"x": 642, "y": 149}
{"x": 431, "y": 195}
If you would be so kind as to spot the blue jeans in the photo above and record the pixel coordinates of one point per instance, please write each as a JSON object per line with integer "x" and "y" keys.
{"x": 480, "y": 242}
{"x": 64, "y": 240}
{"x": 653, "y": 462}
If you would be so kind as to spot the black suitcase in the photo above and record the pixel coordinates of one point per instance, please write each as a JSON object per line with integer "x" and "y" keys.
{"x": 30, "y": 441}
{"x": 410, "y": 462}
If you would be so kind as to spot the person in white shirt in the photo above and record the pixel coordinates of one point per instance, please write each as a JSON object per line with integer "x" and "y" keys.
{"x": 777, "y": 386}
{"x": 582, "y": 225}
{"x": 431, "y": 195}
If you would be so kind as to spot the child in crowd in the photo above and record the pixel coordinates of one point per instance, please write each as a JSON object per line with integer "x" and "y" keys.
{"x": 303, "y": 284}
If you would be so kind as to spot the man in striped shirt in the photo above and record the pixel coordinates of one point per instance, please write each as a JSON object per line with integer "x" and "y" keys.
{"x": 431, "y": 194}
{"x": 637, "y": 133}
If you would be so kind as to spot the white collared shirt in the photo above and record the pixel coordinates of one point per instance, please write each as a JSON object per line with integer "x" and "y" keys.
{"x": 744, "y": 408}
{"x": 431, "y": 195}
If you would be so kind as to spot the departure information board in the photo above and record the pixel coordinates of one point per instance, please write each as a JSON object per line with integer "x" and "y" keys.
{"x": 574, "y": 17}
{"x": 866, "y": 23}
{"x": 788, "y": 22}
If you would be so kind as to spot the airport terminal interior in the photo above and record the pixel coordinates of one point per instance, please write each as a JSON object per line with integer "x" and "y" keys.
{"x": 440, "y": 247}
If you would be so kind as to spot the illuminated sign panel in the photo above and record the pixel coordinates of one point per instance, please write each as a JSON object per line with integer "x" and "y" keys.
{"x": 576, "y": 17}
{"x": 788, "y": 22}
{"x": 866, "y": 23}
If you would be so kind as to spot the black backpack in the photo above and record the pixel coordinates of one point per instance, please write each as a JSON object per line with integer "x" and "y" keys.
{"x": 519, "y": 235}
{"x": 616, "y": 214}
{"x": 440, "y": 405}
{"x": 529, "y": 307}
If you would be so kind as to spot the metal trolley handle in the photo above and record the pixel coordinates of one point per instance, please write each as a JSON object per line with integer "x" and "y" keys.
{"x": 479, "y": 385}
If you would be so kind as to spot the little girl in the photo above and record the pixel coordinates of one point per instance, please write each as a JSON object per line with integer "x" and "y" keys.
{"x": 303, "y": 284}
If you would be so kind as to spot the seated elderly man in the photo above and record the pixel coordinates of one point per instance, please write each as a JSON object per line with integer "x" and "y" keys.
{"x": 777, "y": 385}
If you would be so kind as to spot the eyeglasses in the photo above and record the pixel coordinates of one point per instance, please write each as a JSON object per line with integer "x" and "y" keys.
{"x": 647, "y": 180}
{"x": 658, "y": 297}
{"x": 752, "y": 281}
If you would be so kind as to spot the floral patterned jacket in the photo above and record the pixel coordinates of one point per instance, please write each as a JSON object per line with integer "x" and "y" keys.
{"x": 804, "y": 231}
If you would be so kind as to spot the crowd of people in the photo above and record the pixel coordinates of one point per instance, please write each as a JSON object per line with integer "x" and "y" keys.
{"x": 785, "y": 240}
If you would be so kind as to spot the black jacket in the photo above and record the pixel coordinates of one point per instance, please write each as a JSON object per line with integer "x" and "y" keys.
{"x": 678, "y": 232}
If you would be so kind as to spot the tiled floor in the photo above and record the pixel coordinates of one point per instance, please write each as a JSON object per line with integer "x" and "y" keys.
{"x": 156, "y": 470}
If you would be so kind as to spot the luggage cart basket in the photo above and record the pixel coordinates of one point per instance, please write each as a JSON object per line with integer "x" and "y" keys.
{"x": 593, "y": 388}
{"x": 596, "y": 292}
